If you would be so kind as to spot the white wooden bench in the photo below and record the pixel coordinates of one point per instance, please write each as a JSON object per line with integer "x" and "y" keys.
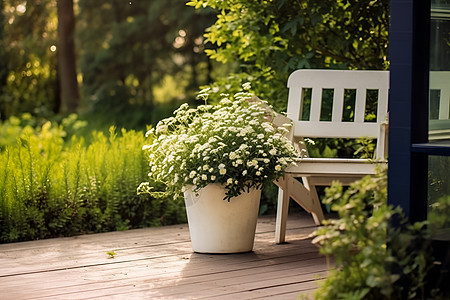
{"x": 439, "y": 105}
{"x": 337, "y": 84}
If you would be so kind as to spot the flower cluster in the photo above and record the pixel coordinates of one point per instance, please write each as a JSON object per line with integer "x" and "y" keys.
{"x": 231, "y": 143}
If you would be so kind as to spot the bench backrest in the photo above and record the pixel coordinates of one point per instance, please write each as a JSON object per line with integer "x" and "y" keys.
{"x": 346, "y": 92}
{"x": 440, "y": 82}
{"x": 439, "y": 105}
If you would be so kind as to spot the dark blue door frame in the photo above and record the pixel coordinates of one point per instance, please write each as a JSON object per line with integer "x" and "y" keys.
{"x": 408, "y": 106}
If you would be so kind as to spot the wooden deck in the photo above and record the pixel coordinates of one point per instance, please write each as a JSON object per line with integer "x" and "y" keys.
{"x": 158, "y": 263}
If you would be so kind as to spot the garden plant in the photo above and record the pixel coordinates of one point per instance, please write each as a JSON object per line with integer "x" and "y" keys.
{"x": 55, "y": 185}
{"x": 378, "y": 254}
{"x": 232, "y": 143}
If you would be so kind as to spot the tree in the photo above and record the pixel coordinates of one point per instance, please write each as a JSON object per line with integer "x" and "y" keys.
{"x": 69, "y": 95}
{"x": 30, "y": 65}
{"x": 3, "y": 59}
{"x": 271, "y": 38}
{"x": 129, "y": 48}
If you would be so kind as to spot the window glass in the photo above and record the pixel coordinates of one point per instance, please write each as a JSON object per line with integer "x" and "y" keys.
{"x": 439, "y": 115}
{"x": 439, "y": 191}
{"x": 439, "y": 96}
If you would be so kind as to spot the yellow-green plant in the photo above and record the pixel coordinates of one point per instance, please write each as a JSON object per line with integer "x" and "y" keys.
{"x": 49, "y": 187}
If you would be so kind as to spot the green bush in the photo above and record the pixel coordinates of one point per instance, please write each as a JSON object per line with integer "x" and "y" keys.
{"x": 50, "y": 187}
{"x": 373, "y": 259}
{"x": 55, "y": 183}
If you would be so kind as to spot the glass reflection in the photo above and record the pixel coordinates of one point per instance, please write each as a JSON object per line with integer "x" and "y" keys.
{"x": 439, "y": 97}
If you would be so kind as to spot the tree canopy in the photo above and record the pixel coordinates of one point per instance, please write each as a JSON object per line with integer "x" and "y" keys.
{"x": 271, "y": 38}
{"x": 130, "y": 55}
{"x": 134, "y": 55}
{"x": 29, "y": 32}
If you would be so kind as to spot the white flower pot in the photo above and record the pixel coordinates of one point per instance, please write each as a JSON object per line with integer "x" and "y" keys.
{"x": 219, "y": 226}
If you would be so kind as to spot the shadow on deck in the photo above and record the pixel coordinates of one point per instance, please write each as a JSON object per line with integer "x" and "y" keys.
{"x": 158, "y": 263}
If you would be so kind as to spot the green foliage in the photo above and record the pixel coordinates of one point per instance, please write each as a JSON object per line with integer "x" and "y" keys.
{"x": 125, "y": 52}
{"x": 51, "y": 188}
{"x": 128, "y": 49}
{"x": 21, "y": 127}
{"x": 3, "y": 58}
{"x": 439, "y": 213}
{"x": 111, "y": 254}
{"x": 344, "y": 148}
{"x": 373, "y": 259}
{"x": 438, "y": 177}
{"x": 30, "y": 65}
{"x": 270, "y": 39}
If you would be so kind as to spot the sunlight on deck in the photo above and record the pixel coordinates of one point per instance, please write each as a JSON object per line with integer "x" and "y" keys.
{"x": 158, "y": 263}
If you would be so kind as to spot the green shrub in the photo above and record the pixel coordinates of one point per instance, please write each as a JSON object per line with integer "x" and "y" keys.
{"x": 373, "y": 259}
{"x": 50, "y": 188}
{"x": 26, "y": 125}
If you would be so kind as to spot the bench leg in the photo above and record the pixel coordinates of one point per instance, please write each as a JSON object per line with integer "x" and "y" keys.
{"x": 316, "y": 209}
{"x": 282, "y": 213}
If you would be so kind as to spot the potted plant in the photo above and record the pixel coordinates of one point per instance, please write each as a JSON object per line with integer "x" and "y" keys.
{"x": 219, "y": 156}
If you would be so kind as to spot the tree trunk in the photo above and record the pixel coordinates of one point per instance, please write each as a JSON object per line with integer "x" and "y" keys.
{"x": 69, "y": 94}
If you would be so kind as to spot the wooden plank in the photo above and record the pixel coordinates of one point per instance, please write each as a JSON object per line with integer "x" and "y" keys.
{"x": 179, "y": 283}
{"x": 222, "y": 284}
{"x": 159, "y": 263}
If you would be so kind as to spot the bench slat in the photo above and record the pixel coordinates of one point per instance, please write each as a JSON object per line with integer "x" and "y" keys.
{"x": 338, "y": 105}
{"x": 335, "y": 129}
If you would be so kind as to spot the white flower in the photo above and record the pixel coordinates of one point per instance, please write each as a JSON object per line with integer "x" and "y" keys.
{"x": 251, "y": 163}
{"x": 243, "y": 147}
{"x": 225, "y": 101}
{"x": 151, "y": 131}
{"x": 233, "y": 155}
{"x": 246, "y": 86}
{"x": 282, "y": 161}
{"x": 283, "y": 130}
{"x": 162, "y": 128}
{"x": 197, "y": 144}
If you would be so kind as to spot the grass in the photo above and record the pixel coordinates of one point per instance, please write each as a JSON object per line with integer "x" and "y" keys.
{"x": 53, "y": 187}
